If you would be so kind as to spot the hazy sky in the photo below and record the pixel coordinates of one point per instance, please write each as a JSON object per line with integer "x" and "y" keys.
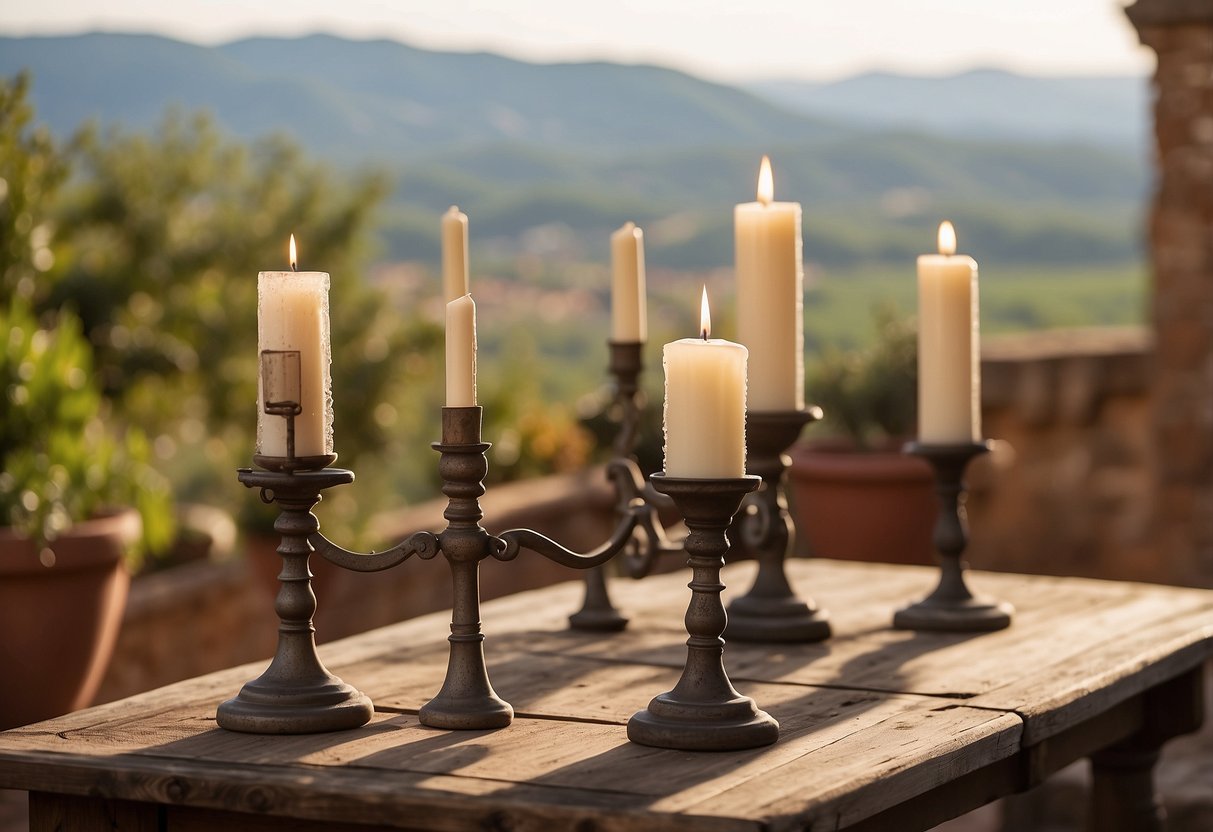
{"x": 728, "y": 40}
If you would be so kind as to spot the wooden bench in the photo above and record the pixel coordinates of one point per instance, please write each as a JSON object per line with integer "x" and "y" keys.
{"x": 881, "y": 729}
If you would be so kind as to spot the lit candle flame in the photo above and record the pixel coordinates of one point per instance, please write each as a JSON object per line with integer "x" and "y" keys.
{"x": 294, "y": 256}
{"x": 947, "y": 238}
{"x": 705, "y": 315}
{"x": 766, "y": 182}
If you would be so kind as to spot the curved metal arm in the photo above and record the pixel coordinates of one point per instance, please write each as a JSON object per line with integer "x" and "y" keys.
{"x": 509, "y": 543}
{"x": 756, "y": 522}
{"x": 641, "y": 555}
{"x": 422, "y": 544}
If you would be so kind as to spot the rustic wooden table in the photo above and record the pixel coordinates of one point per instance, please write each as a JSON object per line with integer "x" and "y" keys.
{"x": 881, "y": 729}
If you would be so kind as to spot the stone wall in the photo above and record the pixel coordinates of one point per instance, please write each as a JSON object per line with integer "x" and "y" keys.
{"x": 1069, "y": 487}
{"x": 1181, "y": 243}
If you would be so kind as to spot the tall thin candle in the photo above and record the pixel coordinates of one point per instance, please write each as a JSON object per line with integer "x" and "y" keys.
{"x": 454, "y": 254}
{"x": 770, "y": 296}
{"x": 949, "y": 345}
{"x": 461, "y": 352}
{"x": 629, "y": 316}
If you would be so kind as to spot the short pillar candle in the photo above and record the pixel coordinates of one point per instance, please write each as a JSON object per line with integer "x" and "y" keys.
{"x": 705, "y": 402}
{"x": 293, "y": 315}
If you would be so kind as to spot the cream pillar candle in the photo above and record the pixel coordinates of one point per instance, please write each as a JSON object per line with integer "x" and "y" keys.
{"x": 629, "y": 314}
{"x": 293, "y": 314}
{"x": 705, "y": 401}
{"x": 949, "y": 348}
{"x": 461, "y": 352}
{"x": 454, "y": 254}
{"x": 770, "y": 296}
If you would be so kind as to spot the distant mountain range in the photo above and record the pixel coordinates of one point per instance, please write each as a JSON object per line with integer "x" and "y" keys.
{"x": 1036, "y": 169}
{"x": 982, "y": 103}
{"x": 382, "y": 99}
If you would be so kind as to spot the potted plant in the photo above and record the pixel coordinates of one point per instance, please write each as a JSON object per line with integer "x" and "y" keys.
{"x": 75, "y": 505}
{"x": 856, "y": 495}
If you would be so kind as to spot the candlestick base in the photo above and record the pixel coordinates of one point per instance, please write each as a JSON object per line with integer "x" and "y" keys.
{"x": 727, "y": 725}
{"x": 597, "y": 613}
{"x": 296, "y": 694}
{"x": 974, "y": 614}
{"x": 704, "y": 712}
{"x": 951, "y": 607}
{"x": 770, "y": 611}
{"x": 276, "y": 706}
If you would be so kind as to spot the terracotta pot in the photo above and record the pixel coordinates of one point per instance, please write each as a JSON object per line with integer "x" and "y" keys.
{"x": 870, "y": 505}
{"x": 59, "y": 622}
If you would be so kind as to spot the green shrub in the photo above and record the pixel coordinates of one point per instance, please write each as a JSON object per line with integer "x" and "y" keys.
{"x": 871, "y": 395}
{"x": 58, "y": 463}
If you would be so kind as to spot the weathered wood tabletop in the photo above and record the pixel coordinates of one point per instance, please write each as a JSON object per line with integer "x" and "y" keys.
{"x": 881, "y": 729}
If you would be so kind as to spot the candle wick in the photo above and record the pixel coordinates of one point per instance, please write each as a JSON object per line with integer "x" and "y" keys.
{"x": 294, "y": 267}
{"x": 704, "y": 334}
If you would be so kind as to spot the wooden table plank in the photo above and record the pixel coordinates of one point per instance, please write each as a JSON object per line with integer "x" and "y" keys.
{"x": 871, "y": 719}
{"x": 844, "y": 732}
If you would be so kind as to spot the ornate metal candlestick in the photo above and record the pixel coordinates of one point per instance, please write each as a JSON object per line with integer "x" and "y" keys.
{"x": 704, "y": 712}
{"x": 951, "y": 606}
{"x": 296, "y": 694}
{"x": 467, "y": 699}
{"x": 597, "y": 612}
{"x": 770, "y": 611}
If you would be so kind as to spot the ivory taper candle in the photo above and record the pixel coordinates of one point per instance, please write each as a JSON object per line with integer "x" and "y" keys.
{"x": 454, "y": 254}
{"x": 293, "y": 314}
{"x": 461, "y": 352}
{"x": 629, "y": 315}
{"x": 770, "y": 296}
{"x": 705, "y": 401}
{"x": 949, "y": 346}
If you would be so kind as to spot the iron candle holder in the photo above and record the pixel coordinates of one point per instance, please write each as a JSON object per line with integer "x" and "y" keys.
{"x": 770, "y": 611}
{"x": 704, "y": 712}
{"x": 296, "y": 694}
{"x": 951, "y": 607}
{"x": 467, "y": 699}
{"x": 597, "y": 612}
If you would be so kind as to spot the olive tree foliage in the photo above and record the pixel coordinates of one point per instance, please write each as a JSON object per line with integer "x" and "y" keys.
{"x": 155, "y": 241}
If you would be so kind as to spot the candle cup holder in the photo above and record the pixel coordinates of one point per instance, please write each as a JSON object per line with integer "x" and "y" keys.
{"x": 597, "y": 612}
{"x": 704, "y": 712}
{"x": 467, "y": 700}
{"x": 296, "y": 694}
{"x": 770, "y": 611}
{"x": 951, "y": 607}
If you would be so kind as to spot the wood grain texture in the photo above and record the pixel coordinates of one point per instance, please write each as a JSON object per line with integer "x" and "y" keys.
{"x": 874, "y": 721}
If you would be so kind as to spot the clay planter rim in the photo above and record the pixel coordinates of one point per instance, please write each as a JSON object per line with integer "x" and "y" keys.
{"x": 61, "y": 622}
{"x": 839, "y": 459}
{"x": 93, "y": 543}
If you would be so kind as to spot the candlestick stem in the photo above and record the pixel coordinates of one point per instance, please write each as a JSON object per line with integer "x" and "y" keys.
{"x": 597, "y": 612}
{"x": 704, "y": 712}
{"x": 951, "y": 606}
{"x": 467, "y": 699}
{"x": 771, "y": 611}
{"x": 296, "y": 694}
